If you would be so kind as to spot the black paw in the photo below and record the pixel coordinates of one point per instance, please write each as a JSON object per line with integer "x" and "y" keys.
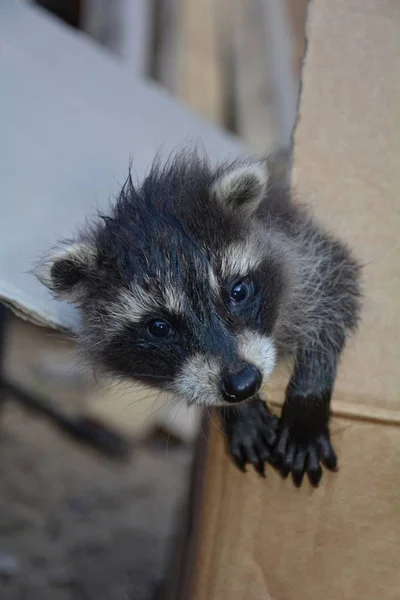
{"x": 299, "y": 454}
{"x": 252, "y": 431}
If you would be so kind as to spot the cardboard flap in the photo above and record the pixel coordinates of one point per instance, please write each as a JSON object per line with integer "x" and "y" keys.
{"x": 347, "y": 163}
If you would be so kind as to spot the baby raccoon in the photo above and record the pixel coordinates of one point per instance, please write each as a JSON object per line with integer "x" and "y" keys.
{"x": 199, "y": 282}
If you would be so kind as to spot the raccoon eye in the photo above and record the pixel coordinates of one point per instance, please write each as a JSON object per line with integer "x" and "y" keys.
{"x": 240, "y": 291}
{"x": 159, "y": 328}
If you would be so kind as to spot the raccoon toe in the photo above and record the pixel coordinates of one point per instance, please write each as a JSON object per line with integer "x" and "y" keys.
{"x": 271, "y": 422}
{"x": 252, "y": 452}
{"x": 251, "y": 431}
{"x": 238, "y": 455}
{"x": 326, "y": 452}
{"x": 303, "y": 456}
{"x": 285, "y": 461}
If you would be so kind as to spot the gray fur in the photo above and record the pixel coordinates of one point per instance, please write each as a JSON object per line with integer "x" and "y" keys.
{"x": 175, "y": 245}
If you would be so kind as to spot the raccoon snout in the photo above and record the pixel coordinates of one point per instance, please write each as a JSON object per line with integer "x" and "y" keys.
{"x": 241, "y": 385}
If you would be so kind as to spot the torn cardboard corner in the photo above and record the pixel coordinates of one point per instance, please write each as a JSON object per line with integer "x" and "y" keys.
{"x": 264, "y": 538}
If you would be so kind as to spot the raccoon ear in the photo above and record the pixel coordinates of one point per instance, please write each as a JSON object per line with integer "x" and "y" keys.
{"x": 67, "y": 268}
{"x": 242, "y": 187}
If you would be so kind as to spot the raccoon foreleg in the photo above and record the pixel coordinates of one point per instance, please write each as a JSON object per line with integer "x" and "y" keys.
{"x": 251, "y": 431}
{"x": 303, "y": 440}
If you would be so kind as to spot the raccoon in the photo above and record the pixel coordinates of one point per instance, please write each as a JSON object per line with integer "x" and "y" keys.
{"x": 198, "y": 282}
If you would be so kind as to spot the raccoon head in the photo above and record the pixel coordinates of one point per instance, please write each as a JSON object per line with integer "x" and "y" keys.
{"x": 179, "y": 288}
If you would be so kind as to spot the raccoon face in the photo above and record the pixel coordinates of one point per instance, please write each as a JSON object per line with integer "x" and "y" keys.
{"x": 180, "y": 287}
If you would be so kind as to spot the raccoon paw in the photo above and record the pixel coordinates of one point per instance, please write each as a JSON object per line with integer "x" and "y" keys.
{"x": 298, "y": 454}
{"x": 251, "y": 431}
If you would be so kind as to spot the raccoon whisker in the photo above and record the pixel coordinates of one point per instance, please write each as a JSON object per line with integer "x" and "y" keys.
{"x": 153, "y": 411}
{"x": 141, "y": 399}
{"x": 215, "y": 424}
{"x": 123, "y": 383}
{"x": 202, "y": 432}
{"x": 177, "y": 401}
{"x": 169, "y": 433}
{"x": 56, "y": 339}
{"x": 208, "y": 414}
{"x": 293, "y": 384}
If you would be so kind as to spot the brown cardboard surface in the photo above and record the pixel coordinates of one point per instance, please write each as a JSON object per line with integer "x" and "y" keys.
{"x": 347, "y": 164}
{"x": 264, "y": 539}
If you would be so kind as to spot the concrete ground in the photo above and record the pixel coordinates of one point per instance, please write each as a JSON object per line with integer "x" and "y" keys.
{"x": 75, "y": 525}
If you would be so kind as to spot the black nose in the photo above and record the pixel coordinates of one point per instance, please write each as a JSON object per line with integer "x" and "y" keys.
{"x": 241, "y": 385}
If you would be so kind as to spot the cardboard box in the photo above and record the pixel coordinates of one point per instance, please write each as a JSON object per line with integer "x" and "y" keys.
{"x": 264, "y": 539}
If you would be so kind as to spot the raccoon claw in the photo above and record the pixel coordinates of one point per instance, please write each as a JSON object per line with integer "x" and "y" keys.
{"x": 251, "y": 430}
{"x": 299, "y": 456}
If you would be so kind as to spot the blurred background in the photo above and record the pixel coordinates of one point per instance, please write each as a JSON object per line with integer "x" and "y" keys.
{"x": 75, "y": 524}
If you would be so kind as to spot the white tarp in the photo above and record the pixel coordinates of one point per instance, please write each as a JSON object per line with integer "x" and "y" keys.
{"x": 71, "y": 117}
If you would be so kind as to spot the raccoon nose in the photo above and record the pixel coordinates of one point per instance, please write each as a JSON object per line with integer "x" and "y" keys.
{"x": 241, "y": 385}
